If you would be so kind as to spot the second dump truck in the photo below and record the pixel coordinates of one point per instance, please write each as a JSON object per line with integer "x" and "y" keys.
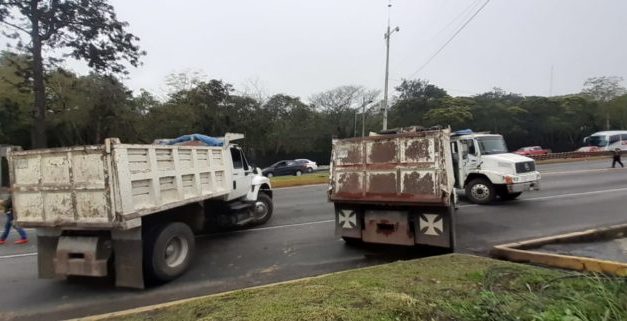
{"x": 132, "y": 210}
{"x": 394, "y": 188}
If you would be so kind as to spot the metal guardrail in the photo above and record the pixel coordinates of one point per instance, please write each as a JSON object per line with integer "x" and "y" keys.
{"x": 569, "y": 155}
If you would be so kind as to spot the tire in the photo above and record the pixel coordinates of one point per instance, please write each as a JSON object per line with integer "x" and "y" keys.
{"x": 480, "y": 191}
{"x": 168, "y": 251}
{"x": 298, "y": 172}
{"x": 265, "y": 207}
{"x": 509, "y": 196}
{"x": 269, "y": 175}
{"x": 309, "y": 170}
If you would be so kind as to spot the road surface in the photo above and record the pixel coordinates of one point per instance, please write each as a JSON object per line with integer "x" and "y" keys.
{"x": 299, "y": 242}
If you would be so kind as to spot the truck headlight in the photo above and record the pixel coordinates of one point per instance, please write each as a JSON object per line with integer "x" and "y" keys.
{"x": 509, "y": 180}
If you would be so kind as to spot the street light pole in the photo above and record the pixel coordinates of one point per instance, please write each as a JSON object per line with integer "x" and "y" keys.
{"x": 363, "y": 117}
{"x": 387, "y": 69}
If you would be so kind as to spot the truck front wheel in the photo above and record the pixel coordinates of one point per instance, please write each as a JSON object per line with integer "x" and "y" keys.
{"x": 480, "y": 191}
{"x": 169, "y": 251}
{"x": 262, "y": 210}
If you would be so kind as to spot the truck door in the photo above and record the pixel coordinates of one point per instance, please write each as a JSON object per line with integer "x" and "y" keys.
{"x": 469, "y": 159}
{"x": 242, "y": 178}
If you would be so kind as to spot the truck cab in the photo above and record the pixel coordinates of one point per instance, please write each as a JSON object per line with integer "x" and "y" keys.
{"x": 485, "y": 169}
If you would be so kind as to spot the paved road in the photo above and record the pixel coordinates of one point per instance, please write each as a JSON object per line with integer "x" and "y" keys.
{"x": 299, "y": 242}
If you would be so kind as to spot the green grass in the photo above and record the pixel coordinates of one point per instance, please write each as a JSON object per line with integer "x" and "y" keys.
{"x": 305, "y": 179}
{"x": 445, "y": 288}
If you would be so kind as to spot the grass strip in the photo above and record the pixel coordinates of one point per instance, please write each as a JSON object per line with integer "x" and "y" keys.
{"x": 444, "y": 288}
{"x": 306, "y": 179}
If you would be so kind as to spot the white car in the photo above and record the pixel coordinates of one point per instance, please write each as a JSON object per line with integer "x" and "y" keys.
{"x": 311, "y": 165}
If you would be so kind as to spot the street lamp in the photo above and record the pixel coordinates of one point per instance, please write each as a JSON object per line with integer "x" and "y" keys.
{"x": 387, "y": 69}
{"x": 363, "y": 116}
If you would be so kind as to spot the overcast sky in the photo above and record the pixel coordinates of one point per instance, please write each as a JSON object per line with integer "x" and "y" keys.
{"x": 303, "y": 47}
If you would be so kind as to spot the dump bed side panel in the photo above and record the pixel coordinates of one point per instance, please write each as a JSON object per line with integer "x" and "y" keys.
{"x": 110, "y": 186}
{"x": 408, "y": 168}
{"x": 151, "y": 178}
{"x": 66, "y": 186}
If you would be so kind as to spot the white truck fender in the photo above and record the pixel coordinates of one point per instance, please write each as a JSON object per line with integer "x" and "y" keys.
{"x": 257, "y": 182}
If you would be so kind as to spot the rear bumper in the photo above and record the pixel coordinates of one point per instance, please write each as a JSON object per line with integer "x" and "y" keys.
{"x": 432, "y": 226}
{"x": 522, "y": 187}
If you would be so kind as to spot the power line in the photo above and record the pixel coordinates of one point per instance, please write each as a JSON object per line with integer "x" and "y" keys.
{"x": 450, "y": 39}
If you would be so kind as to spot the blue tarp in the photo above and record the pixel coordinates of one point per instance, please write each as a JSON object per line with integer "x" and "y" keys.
{"x": 207, "y": 140}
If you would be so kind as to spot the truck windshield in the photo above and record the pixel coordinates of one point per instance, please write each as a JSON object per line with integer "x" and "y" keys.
{"x": 598, "y": 141}
{"x": 492, "y": 145}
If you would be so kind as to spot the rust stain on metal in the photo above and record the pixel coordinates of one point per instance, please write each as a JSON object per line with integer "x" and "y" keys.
{"x": 413, "y": 183}
{"x": 349, "y": 183}
{"x": 383, "y": 152}
{"x": 382, "y": 183}
{"x": 418, "y": 149}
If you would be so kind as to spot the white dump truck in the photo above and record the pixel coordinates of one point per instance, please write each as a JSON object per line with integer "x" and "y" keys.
{"x": 394, "y": 188}
{"x": 132, "y": 210}
{"x": 485, "y": 169}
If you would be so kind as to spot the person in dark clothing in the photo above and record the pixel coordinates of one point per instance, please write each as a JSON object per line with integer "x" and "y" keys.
{"x": 616, "y": 158}
{"x": 8, "y": 210}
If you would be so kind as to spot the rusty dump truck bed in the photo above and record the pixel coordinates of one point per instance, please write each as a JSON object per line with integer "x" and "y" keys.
{"x": 413, "y": 168}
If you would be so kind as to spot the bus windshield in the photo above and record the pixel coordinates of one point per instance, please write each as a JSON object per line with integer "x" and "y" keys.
{"x": 492, "y": 145}
{"x": 597, "y": 141}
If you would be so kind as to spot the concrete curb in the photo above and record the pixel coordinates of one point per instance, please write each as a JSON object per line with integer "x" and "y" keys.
{"x": 520, "y": 252}
{"x": 177, "y": 302}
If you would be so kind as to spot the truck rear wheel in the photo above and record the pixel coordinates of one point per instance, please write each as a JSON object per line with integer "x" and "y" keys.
{"x": 169, "y": 251}
{"x": 480, "y": 191}
{"x": 262, "y": 210}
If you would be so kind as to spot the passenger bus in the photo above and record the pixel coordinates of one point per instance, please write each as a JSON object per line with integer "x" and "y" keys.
{"x": 607, "y": 140}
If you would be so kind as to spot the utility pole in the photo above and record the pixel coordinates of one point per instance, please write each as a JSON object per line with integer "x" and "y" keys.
{"x": 363, "y": 117}
{"x": 387, "y": 68}
{"x": 551, "y": 83}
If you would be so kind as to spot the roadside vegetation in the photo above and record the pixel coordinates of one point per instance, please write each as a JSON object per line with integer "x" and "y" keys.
{"x": 452, "y": 287}
{"x": 305, "y": 179}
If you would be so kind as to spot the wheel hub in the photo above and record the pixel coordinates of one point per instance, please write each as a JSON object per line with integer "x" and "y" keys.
{"x": 176, "y": 251}
{"x": 480, "y": 192}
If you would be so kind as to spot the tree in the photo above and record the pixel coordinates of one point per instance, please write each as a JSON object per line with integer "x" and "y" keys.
{"x": 603, "y": 89}
{"x": 339, "y": 106}
{"x": 454, "y": 116}
{"x": 419, "y": 88}
{"x": 90, "y": 31}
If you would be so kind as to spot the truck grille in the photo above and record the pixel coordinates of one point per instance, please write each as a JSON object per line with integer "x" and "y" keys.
{"x": 525, "y": 167}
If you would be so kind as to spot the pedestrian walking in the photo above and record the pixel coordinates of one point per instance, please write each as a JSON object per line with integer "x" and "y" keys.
{"x": 616, "y": 158}
{"x": 8, "y": 210}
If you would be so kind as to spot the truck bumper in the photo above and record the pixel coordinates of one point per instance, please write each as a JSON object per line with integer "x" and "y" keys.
{"x": 522, "y": 187}
{"x": 429, "y": 226}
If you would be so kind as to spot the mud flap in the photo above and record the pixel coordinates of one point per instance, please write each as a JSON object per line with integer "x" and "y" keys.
{"x": 348, "y": 222}
{"x": 82, "y": 255}
{"x": 47, "y": 240}
{"x": 128, "y": 249}
{"x": 435, "y": 228}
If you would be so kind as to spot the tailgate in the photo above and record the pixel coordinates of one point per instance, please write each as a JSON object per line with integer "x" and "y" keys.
{"x": 62, "y": 187}
{"x": 404, "y": 168}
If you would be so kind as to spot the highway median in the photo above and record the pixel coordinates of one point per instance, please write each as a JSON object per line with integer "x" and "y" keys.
{"x": 321, "y": 177}
{"x": 450, "y": 287}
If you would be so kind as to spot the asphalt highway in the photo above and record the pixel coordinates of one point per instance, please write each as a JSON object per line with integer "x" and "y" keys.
{"x": 299, "y": 241}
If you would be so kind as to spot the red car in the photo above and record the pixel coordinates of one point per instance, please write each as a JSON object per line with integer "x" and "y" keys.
{"x": 532, "y": 150}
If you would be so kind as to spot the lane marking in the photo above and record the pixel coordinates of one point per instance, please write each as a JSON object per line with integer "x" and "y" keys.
{"x": 17, "y": 255}
{"x": 596, "y": 170}
{"x": 333, "y": 220}
{"x": 560, "y": 196}
{"x": 276, "y": 227}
